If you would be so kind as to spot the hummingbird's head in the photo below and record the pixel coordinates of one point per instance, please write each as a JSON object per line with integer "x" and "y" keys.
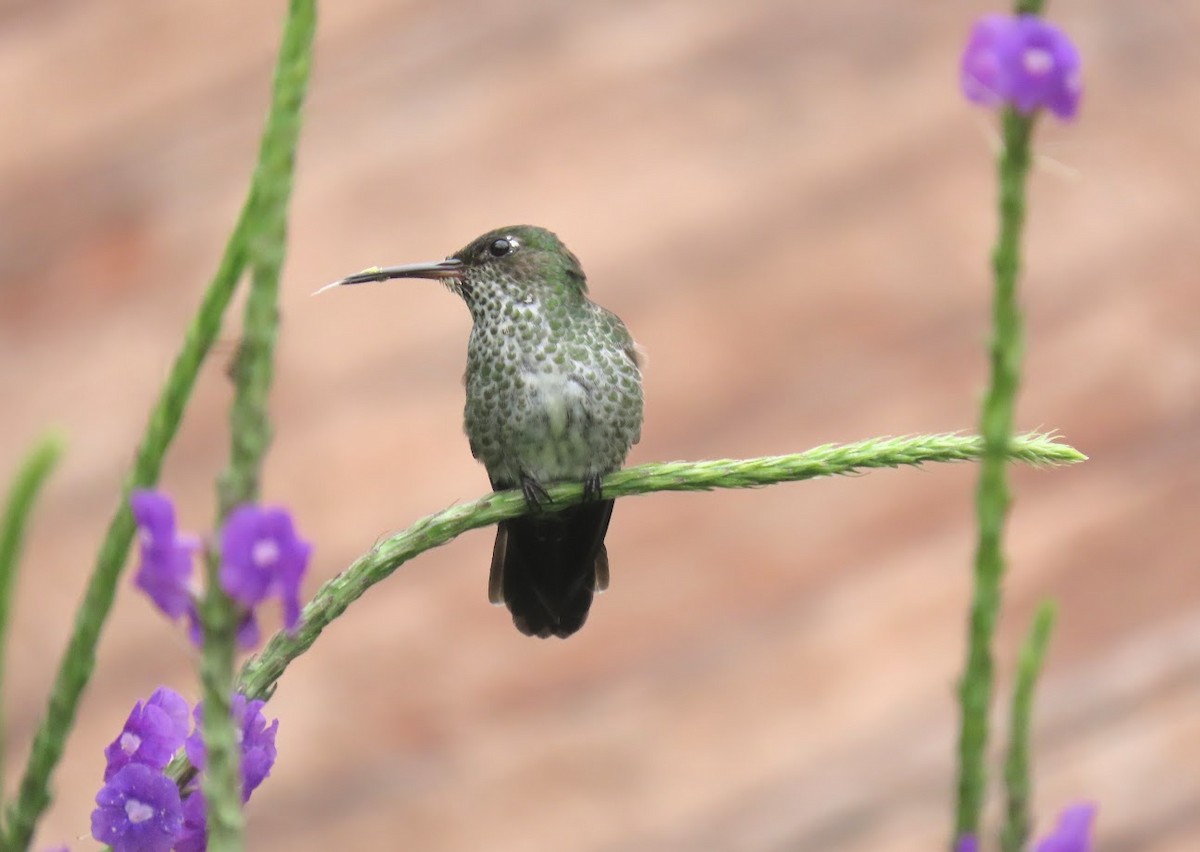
{"x": 522, "y": 260}
{"x": 521, "y": 255}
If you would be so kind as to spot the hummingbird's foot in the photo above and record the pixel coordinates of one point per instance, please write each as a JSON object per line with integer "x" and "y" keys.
{"x": 535, "y": 495}
{"x": 592, "y": 493}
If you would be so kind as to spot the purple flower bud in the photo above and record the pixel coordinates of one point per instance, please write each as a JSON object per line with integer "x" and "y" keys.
{"x": 152, "y": 733}
{"x": 138, "y": 810}
{"x": 261, "y": 555}
{"x": 967, "y": 843}
{"x": 1073, "y": 832}
{"x": 166, "y": 568}
{"x": 1023, "y": 61}
{"x": 256, "y": 739}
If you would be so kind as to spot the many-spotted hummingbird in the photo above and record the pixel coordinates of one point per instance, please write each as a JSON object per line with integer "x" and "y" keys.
{"x": 554, "y": 394}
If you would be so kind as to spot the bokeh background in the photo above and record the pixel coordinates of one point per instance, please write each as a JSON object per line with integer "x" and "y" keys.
{"x": 791, "y": 206}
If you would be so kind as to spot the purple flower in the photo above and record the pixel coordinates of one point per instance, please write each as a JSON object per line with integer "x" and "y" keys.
{"x": 166, "y": 569}
{"x": 256, "y": 739}
{"x": 262, "y": 555}
{"x": 152, "y": 734}
{"x": 1073, "y": 832}
{"x": 138, "y": 810}
{"x": 967, "y": 843}
{"x": 1023, "y": 61}
{"x": 193, "y": 837}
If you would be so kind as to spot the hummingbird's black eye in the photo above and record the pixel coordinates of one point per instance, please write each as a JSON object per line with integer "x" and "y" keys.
{"x": 501, "y": 247}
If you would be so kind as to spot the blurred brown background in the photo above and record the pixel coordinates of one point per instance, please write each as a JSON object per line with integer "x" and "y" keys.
{"x": 791, "y": 206}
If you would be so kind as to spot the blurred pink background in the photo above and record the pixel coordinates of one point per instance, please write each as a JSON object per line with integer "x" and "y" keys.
{"x": 791, "y": 207}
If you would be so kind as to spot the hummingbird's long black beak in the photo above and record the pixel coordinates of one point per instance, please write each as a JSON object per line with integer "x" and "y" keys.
{"x": 441, "y": 269}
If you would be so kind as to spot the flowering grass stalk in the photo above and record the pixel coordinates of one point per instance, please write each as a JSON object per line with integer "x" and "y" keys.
{"x": 1018, "y": 787}
{"x": 260, "y": 674}
{"x": 250, "y": 429}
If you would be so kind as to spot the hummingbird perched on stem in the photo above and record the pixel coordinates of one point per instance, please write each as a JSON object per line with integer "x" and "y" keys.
{"x": 554, "y": 394}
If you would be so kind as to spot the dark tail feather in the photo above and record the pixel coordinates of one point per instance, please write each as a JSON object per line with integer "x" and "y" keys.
{"x": 546, "y": 566}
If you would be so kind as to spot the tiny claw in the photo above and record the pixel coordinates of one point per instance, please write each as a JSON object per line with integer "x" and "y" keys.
{"x": 592, "y": 491}
{"x": 533, "y": 492}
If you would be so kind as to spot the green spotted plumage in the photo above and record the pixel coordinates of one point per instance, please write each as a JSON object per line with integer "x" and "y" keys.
{"x": 553, "y": 386}
{"x": 553, "y": 394}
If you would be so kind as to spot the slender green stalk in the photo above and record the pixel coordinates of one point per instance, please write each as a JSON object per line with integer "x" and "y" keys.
{"x": 260, "y": 674}
{"x": 992, "y": 496}
{"x": 1016, "y": 766}
{"x": 250, "y": 427}
{"x": 30, "y": 478}
{"x": 79, "y": 659}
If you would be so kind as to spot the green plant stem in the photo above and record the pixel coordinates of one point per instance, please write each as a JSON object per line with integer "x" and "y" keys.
{"x": 30, "y": 477}
{"x": 79, "y": 659}
{"x": 250, "y": 427}
{"x": 260, "y": 674}
{"x": 1018, "y": 822}
{"x": 992, "y": 495}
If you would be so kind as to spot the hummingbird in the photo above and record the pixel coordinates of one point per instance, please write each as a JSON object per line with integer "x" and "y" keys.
{"x": 553, "y": 394}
